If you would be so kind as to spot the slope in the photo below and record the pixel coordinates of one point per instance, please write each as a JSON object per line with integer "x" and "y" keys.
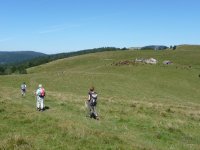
{"x": 141, "y": 106}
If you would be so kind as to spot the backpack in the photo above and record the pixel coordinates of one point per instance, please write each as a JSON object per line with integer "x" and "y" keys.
{"x": 23, "y": 86}
{"x": 42, "y": 92}
{"x": 93, "y": 99}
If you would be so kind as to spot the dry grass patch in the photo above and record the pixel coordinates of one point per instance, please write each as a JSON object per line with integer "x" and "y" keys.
{"x": 17, "y": 142}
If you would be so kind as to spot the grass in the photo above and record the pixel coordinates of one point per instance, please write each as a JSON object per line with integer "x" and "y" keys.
{"x": 141, "y": 106}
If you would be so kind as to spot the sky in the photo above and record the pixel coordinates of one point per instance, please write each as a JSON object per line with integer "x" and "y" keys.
{"x": 56, "y": 26}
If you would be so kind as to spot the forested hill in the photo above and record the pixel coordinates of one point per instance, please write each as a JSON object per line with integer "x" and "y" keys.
{"x": 18, "y": 56}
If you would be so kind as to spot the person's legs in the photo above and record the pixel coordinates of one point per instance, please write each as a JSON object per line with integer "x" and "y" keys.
{"x": 42, "y": 103}
{"x": 88, "y": 108}
{"x": 22, "y": 91}
{"x": 38, "y": 103}
{"x": 95, "y": 111}
{"x": 91, "y": 112}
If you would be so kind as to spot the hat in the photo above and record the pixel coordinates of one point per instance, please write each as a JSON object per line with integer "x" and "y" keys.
{"x": 40, "y": 85}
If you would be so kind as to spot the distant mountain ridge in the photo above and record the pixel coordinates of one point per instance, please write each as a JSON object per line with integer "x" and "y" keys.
{"x": 7, "y": 57}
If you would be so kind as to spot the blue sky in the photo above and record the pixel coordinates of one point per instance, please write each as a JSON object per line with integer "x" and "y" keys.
{"x": 54, "y": 26}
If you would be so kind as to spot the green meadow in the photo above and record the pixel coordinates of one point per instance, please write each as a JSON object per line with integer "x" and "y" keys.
{"x": 141, "y": 106}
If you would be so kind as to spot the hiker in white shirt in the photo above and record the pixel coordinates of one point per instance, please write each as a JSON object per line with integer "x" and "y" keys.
{"x": 40, "y": 94}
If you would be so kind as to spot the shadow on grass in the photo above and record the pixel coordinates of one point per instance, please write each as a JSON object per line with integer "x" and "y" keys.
{"x": 46, "y": 107}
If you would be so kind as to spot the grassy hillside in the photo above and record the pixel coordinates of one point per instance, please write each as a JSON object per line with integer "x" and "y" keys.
{"x": 141, "y": 106}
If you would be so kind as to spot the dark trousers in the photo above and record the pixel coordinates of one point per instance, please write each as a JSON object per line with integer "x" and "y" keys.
{"x": 92, "y": 109}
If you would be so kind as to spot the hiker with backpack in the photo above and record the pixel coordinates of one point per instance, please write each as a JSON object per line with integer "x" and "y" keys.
{"x": 23, "y": 89}
{"x": 91, "y": 103}
{"x": 40, "y": 94}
